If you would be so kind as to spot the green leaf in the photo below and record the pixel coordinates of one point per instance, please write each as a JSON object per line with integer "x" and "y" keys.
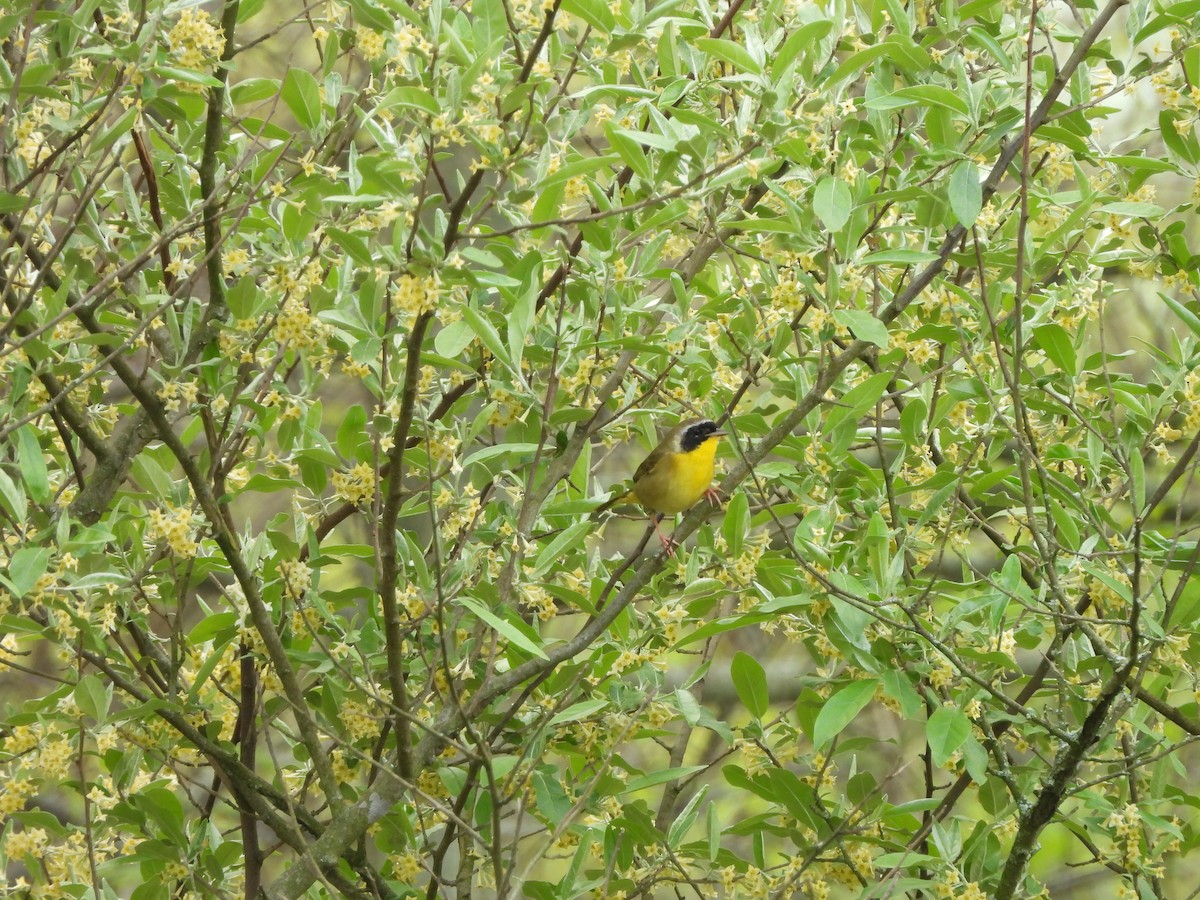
{"x": 714, "y": 833}
{"x": 750, "y": 682}
{"x": 912, "y": 422}
{"x": 210, "y": 626}
{"x": 832, "y": 202}
{"x": 737, "y": 524}
{"x": 975, "y": 758}
{"x": 485, "y": 278}
{"x": 1177, "y": 143}
{"x": 686, "y": 818}
{"x": 556, "y": 551}
{"x": 1065, "y": 523}
{"x": 966, "y": 193}
{"x": 248, "y": 9}
{"x": 662, "y": 776}
{"x": 840, "y": 710}
{"x": 629, "y": 150}
{"x": 931, "y": 95}
{"x": 585, "y": 165}
{"x": 516, "y": 634}
{"x": 1185, "y": 315}
{"x": 32, "y": 464}
{"x": 118, "y": 128}
{"x": 878, "y": 544}
{"x": 863, "y": 326}
{"x": 856, "y": 401}
{"x": 552, "y": 800}
{"x": 93, "y": 697}
{"x": 805, "y": 38}
{"x": 946, "y": 731}
{"x": 982, "y": 37}
{"x": 254, "y": 90}
{"x": 697, "y": 716}
{"x": 488, "y": 335}
{"x": 520, "y": 320}
{"x": 302, "y": 95}
{"x": 354, "y": 246}
{"x": 490, "y": 24}
{"x": 577, "y": 712}
{"x": 12, "y": 498}
{"x": 734, "y": 54}
{"x": 650, "y": 139}
{"x": 211, "y": 661}
{"x": 1057, "y": 345}
{"x": 12, "y": 202}
{"x": 370, "y": 14}
{"x": 452, "y": 340}
{"x": 897, "y": 686}
{"x": 1010, "y": 574}
{"x": 768, "y": 226}
{"x": 352, "y": 434}
{"x": 798, "y": 798}
{"x": 499, "y": 451}
{"x": 1133, "y": 209}
{"x": 166, "y": 810}
{"x": 1142, "y": 164}
{"x": 860, "y": 60}
{"x": 720, "y": 626}
{"x": 412, "y": 97}
{"x": 297, "y": 222}
{"x": 1137, "y": 477}
{"x": 597, "y": 13}
{"x": 184, "y": 76}
{"x": 899, "y": 257}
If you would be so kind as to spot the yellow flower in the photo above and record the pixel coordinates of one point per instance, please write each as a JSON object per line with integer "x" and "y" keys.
{"x": 194, "y": 38}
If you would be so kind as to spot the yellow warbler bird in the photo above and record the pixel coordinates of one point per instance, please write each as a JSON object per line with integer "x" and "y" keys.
{"x": 678, "y": 472}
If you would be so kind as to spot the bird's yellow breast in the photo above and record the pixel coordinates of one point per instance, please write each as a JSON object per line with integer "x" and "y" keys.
{"x": 678, "y": 480}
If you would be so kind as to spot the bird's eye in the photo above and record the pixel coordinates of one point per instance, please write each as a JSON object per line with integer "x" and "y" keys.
{"x": 696, "y": 434}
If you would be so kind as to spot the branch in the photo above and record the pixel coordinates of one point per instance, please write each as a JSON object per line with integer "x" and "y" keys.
{"x": 228, "y": 542}
{"x": 214, "y": 138}
{"x": 351, "y": 822}
{"x": 348, "y": 825}
{"x": 388, "y": 551}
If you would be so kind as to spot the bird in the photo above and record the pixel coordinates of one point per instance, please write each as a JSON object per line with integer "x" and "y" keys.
{"x": 678, "y": 472}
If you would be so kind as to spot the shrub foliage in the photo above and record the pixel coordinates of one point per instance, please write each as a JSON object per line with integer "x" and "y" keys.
{"x": 326, "y": 331}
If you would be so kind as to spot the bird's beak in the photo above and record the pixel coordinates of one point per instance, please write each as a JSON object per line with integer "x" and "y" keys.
{"x": 717, "y": 433}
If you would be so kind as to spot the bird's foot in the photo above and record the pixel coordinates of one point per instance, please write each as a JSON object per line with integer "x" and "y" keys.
{"x": 713, "y": 496}
{"x": 668, "y": 543}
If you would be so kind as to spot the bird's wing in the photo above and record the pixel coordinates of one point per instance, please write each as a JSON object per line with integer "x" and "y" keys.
{"x": 648, "y": 464}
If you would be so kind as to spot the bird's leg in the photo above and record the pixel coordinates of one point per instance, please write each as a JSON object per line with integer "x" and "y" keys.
{"x": 713, "y": 495}
{"x": 668, "y": 543}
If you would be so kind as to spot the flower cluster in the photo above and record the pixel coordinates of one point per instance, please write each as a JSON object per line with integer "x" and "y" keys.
{"x": 296, "y": 577}
{"x": 416, "y": 294}
{"x": 359, "y": 722}
{"x": 538, "y": 601}
{"x": 8, "y": 648}
{"x": 356, "y": 486}
{"x": 174, "y": 527}
{"x": 370, "y": 43}
{"x": 32, "y": 146}
{"x": 176, "y": 395}
{"x": 296, "y": 325}
{"x": 194, "y": 39}
{"x": 459, "y": 514}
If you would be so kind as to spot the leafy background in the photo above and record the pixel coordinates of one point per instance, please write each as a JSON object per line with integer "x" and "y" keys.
{"x": 328, "y": 330}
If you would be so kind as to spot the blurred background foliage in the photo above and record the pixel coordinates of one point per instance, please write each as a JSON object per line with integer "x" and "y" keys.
{"x": 329, "y": 329}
